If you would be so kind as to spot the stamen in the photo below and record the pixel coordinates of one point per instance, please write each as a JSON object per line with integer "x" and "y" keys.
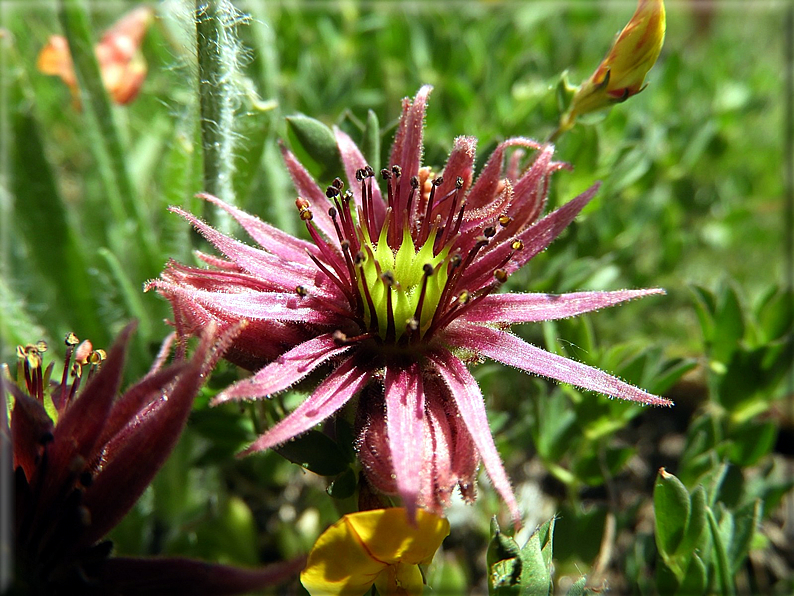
{"x": 391, "y": 332}
{"x": 429, "y": 207}
{"x": 373, "y": 316}
{"x": 71, "y": 341}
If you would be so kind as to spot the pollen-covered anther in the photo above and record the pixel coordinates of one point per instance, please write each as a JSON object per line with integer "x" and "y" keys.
{"x": 303, "y": 208}
{"x": 463, "y": 297}
{"x": 360, "y": 258}
{"x": 331, "y": 192}
{"x": 412, "y": 324}
{"x": 500, "y": 275}
{"x": 301, "y": 291}
{"x": 397, "y": 171}
{"x": 459, "y": 182}
{"x": 71, "y": 339}
{"x": 83, "y": 352}
{"x": 505, "y": 220}
{"x": 385, "y": 174}
{"x": 339, "y": 337}
{"x": 517, "y": 245}
{"x": 338, "y": 183}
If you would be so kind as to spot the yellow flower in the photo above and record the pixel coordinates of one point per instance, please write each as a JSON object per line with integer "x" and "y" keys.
{"x": 622, "y": 73}
{"x": 378, "y": 547}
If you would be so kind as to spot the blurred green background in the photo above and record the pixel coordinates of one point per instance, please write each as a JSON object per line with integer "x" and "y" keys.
{"x": 693, "y": 196}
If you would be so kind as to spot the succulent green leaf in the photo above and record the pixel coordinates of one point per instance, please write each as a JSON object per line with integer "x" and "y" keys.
{"x": 745, "y": 522}
{"x": 671, "y": 508}
{"x": 695, "y": 577}
{"x": 723, "y": 574}
{"x": 696, "y": 524}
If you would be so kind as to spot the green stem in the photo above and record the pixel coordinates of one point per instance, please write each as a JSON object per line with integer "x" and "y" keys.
{"x": 217, "y": 50}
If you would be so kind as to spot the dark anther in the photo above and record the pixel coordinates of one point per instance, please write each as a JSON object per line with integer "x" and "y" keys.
{"x": 86, "y": 479}
{"x": 438, "y": 181}
{"x": 332, "y": 212}
{"x": 385, "y": 174}
{"x": 301, "y": 291}
{"x": 489, "y": 232}
{"x": 428, "y": 269}
{"x": 500, "y": 275}
{"x": 397, "y": 171}
{"x": 454, "y": 260}
{"x": 388, "y": 278}
{"x": 360, "y": 174}
{"x": 368, "y": 171}
{"x": 360, "y": 257}
{"x": 337, "y": 183}
{"x": 331, "y": 192}
{"x": 302, "y": 204}
{"x": 414, "y": 182}
{"x": 481, "y": 241}
{"x": 345, "y": 244}
{"x": 458, "y": 182}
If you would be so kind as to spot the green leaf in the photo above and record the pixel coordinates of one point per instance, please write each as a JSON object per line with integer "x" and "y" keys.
{"x": 536, "y": 559}
{"x": 745, "y": 520}
{"x": 503, "y": 558}
{"x": 319, "y": 142}
{"x": 316, "y": 452}
{"x": 776, "y": 315}
{"x": 343, "y": 485}
{"x": 696, "y": 525}
{"x": 720, "y": 554}
{"x": 728, "y": 325}
{"x": 751, "y": 441}
{"x": 671, "y": 508}
{"x": 705, "y": 306}
{"x": 695, "y": 577}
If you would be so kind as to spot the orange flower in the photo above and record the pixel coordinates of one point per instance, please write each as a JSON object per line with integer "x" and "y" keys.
{"x": 118, "y": 53}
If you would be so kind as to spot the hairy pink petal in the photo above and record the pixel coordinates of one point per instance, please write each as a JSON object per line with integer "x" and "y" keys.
{"x": 467, "y": 395}
{"x": 286, "y": 371}
{"x": 459, "y": 164}
{"x": 508, "y": 349}
{"x": 308, "y": 189}
{"x": 334, "y": 392}
{"x": 528, "y": 308}
{"x": 484, "y": 190}
{"x": 274, "y": 306}
{"x": 407, "y": 148}
{"x": 270, "y": 238}
{"x": 529, "y": 192}
{"x": 278, "y": 272}
{"x": 535, "y": 239}
{"x": 354, "y": 160}
{"x": 405, "y": 412}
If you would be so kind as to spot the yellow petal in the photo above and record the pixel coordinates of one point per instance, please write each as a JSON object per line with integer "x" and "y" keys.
{"x": 390, "y": 538}
{"x": 340, "y": 564}
{"x": 400, "y": 580}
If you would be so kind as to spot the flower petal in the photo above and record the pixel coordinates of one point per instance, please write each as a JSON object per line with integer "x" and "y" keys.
{"x": 286, "y": 371}
{"x": 278, "y": 272}
{"x": 407, "y": 149}
{"x": 353, "y": 160}
{"x": 270, "y": 238}
{"x": 390, "y": 537}
{"x": 334, "y": 392}
{"x": 508, "y": 349}
{"x": 469, "y": 400}
{"x": 276, "y": 306}
{"x": 535, "y": 239}
{"x": 340, "y": 563}
{"x": 527, "y": 308}
{"x": 405, "y": 411}
{"x": 459, "y": 164}
{"x": 308, "y": 189}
